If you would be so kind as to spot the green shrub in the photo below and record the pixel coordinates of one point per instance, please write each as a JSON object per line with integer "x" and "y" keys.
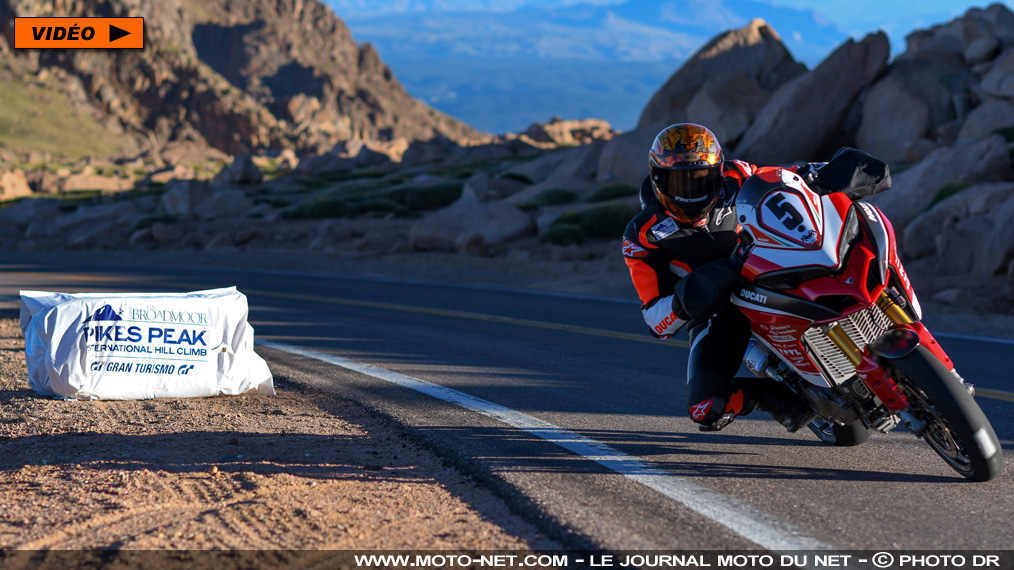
{"x": 318, "y": 207}
{"x": 1006, "y": 132}
{"x": 273, "y": 202}
{"x": 148, "y": 221}
{"x": 329, "y": 178}
{"x": 563, "y": 234}
{"x": 948, "y": 190}
{"x": 601, "y": 222}
{"x": 551, "y": 197}
{"x": 375, "y": 197}
{"x": 428, "y": 197}
{"x": 71, "y": 201}
{"x": 612, "y": 191}
{"x": 377, "y": 207}
{"x": 518, "y": 177}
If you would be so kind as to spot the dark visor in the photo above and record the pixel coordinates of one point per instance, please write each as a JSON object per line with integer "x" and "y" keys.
{"x": 690, "y": 190}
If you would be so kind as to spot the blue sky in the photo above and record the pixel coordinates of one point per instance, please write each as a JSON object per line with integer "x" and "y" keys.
{"x": 896, "y": 17}
{"x": 857, "y": 17}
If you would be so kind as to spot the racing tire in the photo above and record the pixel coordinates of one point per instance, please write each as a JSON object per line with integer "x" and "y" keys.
{"x": 956, "y": 427}
{"x": 837, "y": 435}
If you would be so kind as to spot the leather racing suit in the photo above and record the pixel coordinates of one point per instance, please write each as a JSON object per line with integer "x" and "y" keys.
{"x": 685, "y": 274}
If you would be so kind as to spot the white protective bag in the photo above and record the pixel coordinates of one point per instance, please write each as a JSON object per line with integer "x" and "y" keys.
{"x": 137, "y": 346}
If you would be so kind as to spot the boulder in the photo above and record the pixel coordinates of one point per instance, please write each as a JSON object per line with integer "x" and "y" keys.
{"x": 983, "y": 160}
{"x": 993, "y": 114}
{"x": 487, "y": 188}
{"x": 13, "y": 185}
{"x": 85, "y": 182}
{"x": 804, "y": 115}
{"x": 911, "y": 101}
{"x": 25, "y": 212}
{"x": 920, "y": 236}
{"x": 224, "y": 203}
{"x": 166, "y": 233}
{"x": 434, "y": 149}
{"x": 968, "y": 234}
{"x": 242, "y": 170}
{"x": 581, "y": 162}
{"x": 570, "y": 132}
{"x": 981, "y": 49}
{"x": 167, "y": 175}
{"x": 324, "y": 163}
{"x": 102, "y": 233}
{"x": 919, "y": 149}
{"x": 727, "y": 103}
{"x": 181, "y": 196}
{"x": 364, "y": 155}
{"x": 222, "y": 240}
{"x": 538, "y": 169}
{"x": 999, "y": 82}
{"x": 45, "y": 182}
{"x": 140, "y": 237}
{"x": 755, "y": 50}
{"x": 100, "y": 215}
{"x": 625, "y": 158}
{"x": 470, "y": 226}
{"x": 972, "y": 38}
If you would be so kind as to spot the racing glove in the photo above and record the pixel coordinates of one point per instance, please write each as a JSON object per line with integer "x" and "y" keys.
{"x": 706, "y": 290}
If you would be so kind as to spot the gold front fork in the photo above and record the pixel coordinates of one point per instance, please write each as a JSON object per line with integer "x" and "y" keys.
{"x": 897, "y": 315}
{"x": 841, "y": 339}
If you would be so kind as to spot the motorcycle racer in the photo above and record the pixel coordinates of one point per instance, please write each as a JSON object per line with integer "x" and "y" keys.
{"x": 679, "y": 248}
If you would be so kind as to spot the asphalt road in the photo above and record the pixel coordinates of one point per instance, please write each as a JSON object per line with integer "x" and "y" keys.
{"x": 566, "y": 406}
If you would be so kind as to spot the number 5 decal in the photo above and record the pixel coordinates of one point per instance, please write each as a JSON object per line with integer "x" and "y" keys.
{"x": 787, "y": 214}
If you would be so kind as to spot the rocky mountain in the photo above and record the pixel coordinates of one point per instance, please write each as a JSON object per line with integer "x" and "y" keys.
{"x": 237, "y": 75}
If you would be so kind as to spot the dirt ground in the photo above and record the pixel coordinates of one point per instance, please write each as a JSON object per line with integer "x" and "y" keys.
{"x": 297, "y": 471}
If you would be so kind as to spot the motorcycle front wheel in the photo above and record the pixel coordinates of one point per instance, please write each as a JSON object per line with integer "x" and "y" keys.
{"x": 956, "y": 428}
{"x": 840, "y": 436}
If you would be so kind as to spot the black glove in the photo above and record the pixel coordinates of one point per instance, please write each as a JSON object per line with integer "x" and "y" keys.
{"x": 706, "y": 290}
{"x": 853, "y": 172}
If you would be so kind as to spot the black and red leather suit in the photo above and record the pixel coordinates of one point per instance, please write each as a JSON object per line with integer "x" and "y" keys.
{"x": 684, "y": 274}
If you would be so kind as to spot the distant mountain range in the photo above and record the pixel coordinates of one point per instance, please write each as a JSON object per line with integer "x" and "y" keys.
{"x": 502, "y": 65}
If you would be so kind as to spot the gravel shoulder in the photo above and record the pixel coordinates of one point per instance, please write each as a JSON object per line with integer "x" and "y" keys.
{"x": 298, "y": 471}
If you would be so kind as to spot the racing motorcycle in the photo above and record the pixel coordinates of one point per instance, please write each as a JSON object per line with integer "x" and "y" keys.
{"x": 835, "y": 319}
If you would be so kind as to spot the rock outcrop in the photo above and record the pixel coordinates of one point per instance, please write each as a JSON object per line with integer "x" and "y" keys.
{"x": 804, "y": 118}
{"x": 13, "y": 184}
{"x": 751, "y": 62}
{"x": 914, "y": 190}
{"x": 239, "y": 76}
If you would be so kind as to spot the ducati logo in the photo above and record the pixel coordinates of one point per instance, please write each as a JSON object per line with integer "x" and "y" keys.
{"x": 699, "y": 411}
{"x": 752, "y": 296}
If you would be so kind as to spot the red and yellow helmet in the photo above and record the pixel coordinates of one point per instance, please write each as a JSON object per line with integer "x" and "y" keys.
{"x": 686, "y": 171}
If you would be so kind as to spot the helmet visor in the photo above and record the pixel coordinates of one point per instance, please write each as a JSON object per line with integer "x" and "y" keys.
{"x": 688, "y": 192}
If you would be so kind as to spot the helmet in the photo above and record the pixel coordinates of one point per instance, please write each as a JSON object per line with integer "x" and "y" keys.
{"x": 686, "y": 171}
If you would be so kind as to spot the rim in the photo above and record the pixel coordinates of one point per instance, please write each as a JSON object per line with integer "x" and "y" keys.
{"x": 938, "y": 434}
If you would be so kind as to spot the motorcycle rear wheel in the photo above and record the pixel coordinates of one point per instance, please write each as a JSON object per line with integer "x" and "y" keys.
{"x": 956, "y": 427}
{"x": 839, "y": 436}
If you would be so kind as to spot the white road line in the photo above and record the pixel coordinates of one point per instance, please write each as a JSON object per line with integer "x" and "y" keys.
{"x": 754, "y": 525}
{"x": 974, "y": 338}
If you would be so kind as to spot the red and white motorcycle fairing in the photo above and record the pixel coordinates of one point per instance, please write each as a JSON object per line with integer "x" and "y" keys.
{"x": 834, "y": 317}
